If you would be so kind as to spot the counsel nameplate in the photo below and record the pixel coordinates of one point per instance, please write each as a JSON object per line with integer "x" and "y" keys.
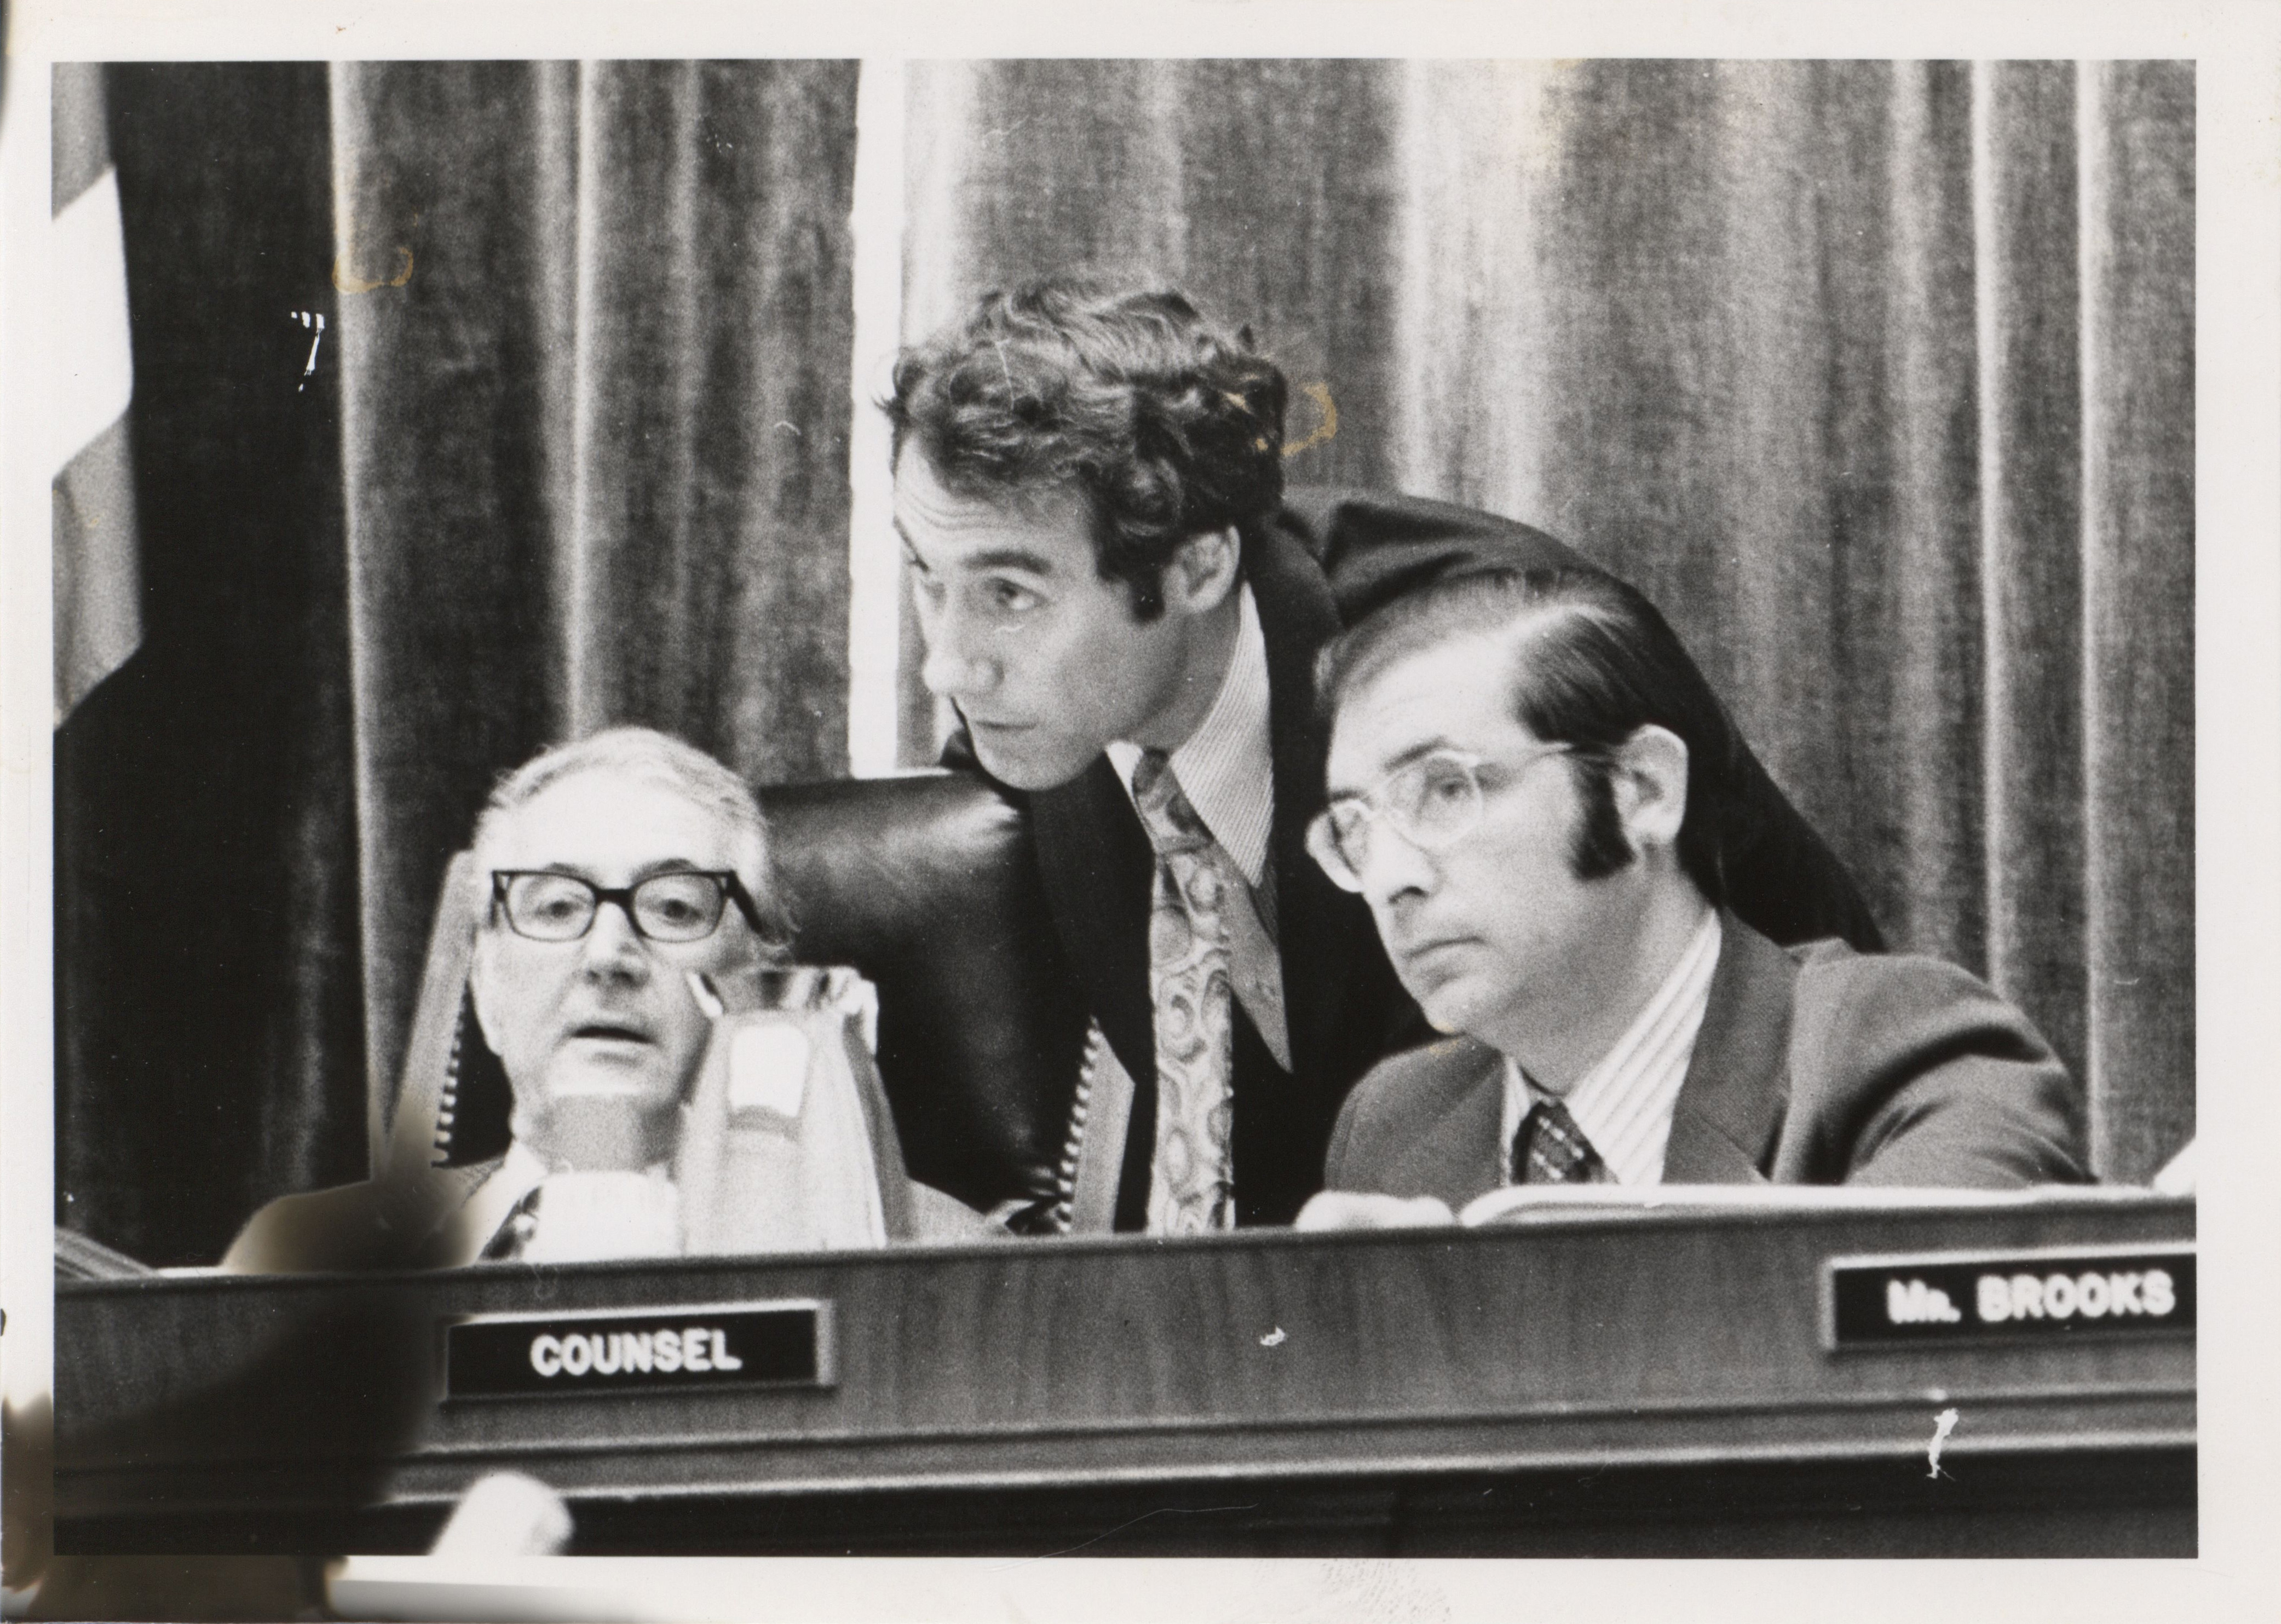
{"x": 2036, "y": 1296}
{"x": 622, "y": 1350}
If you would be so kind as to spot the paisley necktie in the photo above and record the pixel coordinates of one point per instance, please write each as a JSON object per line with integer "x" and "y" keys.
{"x": 1191, "y": 1183}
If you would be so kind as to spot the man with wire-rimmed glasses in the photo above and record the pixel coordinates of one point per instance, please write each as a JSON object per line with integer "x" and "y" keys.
{"x": 1534, "y": 789}
{"x": 1122, "y": 600}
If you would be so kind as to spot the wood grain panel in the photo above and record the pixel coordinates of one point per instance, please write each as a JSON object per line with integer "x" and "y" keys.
{"x": 1651, "y": 1338}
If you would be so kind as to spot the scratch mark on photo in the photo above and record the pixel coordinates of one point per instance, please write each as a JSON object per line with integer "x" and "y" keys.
{"x": 1943, "y": 1425}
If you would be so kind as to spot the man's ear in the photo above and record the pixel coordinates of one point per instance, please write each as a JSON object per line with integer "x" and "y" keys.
{"x": 1651, "y": 786}
{"x": 1202, "y": 571}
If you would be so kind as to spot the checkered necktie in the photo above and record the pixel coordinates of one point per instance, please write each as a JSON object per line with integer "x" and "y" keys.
{"x": 1550, "y": 1148}
{"x": 1191, "y": 1182}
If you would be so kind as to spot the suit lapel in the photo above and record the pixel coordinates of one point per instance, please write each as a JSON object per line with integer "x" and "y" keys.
{"x": 1458, "y": 1150}
{"x": 1097, "y": 867}
{"x": 1096, "y": 862}
{"x": 1737, "y": 1087}
{"x": 1324, "y": 932}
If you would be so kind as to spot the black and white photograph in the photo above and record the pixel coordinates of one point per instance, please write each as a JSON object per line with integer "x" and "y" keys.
{"x": 1044, "y": 806}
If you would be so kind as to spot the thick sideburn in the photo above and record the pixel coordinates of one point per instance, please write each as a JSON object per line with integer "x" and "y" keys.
{"x": 1599, "y": 846}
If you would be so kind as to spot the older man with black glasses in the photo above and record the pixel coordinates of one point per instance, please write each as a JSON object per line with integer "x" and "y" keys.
{"x": 612, "y": 865}
{"x": 1534, "y": 791}
{"x": 626, "y": 904}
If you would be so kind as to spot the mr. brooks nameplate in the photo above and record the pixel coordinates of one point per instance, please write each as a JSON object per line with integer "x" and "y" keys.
{"x": 620, "y": 1351}
{"x": 2040, "y": 1296}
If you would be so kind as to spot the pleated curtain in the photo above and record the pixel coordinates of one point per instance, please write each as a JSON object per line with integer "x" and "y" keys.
{"x": 595, "y": 445}
{"x": 1878, "y": 377}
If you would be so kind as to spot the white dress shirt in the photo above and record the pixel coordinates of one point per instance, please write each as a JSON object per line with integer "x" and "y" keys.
{"x": 1225, "y": 769}
{"x": 1624, "y": 1103}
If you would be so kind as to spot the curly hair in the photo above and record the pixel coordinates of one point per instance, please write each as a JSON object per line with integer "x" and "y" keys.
{"x": 1169, "y": 425}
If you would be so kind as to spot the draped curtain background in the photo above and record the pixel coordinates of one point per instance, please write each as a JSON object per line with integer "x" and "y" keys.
{"x": 1878, "y": 377}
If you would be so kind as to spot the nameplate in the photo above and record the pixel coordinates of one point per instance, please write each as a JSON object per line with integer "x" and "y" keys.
{"x": 2045, "y": 1296}
{"x": 627, "y": 1351}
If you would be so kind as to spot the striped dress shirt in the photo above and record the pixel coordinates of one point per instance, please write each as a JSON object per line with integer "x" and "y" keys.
{"x": 1624, "y": 1103}
{"x": 1225, "y": 767}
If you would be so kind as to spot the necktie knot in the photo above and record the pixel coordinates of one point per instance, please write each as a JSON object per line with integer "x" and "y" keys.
{"x": 1172, "y": 825}
{"x": 1550, "y": 1148}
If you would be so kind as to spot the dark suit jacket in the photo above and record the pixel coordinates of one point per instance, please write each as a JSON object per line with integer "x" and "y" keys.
{"x": 1814, "y": 1066}
{"x": 1329, "y": 557}
{"x": 377, "y": 1223}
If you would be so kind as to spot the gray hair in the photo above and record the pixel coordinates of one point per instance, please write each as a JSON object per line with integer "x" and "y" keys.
{"x": 647, "y": 754}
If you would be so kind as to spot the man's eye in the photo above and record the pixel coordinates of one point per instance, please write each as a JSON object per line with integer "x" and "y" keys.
{"x": 1010, "y": 599}
{"x": 1444, "y": 784}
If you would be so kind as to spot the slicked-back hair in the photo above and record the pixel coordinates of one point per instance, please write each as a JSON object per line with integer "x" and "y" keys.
{"x": 1592, "y": 663}
{"x": 649, "y": 756}
{"x": 1167, "y": 424}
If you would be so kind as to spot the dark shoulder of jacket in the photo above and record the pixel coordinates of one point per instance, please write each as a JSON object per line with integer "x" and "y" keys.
{"x": 1882, "y": 987}
{"x": 1308, "y": 515}
{"x": 1820, "y": 950}
{"x": 1432, "y": 1060}
{"x": 1831, "y": 954}
{"x": 1375, "y": 547}
{"x": 1321, "y": 515}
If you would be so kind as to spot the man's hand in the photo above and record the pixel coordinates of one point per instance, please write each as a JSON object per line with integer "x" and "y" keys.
{"x": 1355, "y": 1210}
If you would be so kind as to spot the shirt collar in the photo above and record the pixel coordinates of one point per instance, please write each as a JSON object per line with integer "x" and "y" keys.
{"x": 1225, "y": 766}
{"x": 1624, "y": 1103}
{"x": 520, "y": 1172}
{"x": 471, "y": 1228}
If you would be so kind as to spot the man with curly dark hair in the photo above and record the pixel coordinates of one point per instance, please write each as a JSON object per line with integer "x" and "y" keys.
{"x": 1124, "y": 604}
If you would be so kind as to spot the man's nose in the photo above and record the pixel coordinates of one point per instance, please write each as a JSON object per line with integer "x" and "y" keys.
{"x": 612, "y": 947}
{"x": 1393, "y": 868}
{"x": 955, "y": 667}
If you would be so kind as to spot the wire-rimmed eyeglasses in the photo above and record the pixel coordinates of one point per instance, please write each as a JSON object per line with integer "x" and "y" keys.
{"x": 1433, "y": 802}
{"x": 681, "y": 905}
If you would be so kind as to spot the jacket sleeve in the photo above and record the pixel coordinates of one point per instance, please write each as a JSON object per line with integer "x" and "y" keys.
{"x": 1341, "y": 1136}
{"x": 1910, "y": 1072}
{"x": 1782, "y": 878}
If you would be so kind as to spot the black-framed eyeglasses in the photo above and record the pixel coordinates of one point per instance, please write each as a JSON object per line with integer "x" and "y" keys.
{"x": 1433, "y": 802}
{"x": 679, "y": 906}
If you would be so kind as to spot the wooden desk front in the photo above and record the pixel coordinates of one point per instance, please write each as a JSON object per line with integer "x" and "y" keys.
{"x": 1658, "y": 1380}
